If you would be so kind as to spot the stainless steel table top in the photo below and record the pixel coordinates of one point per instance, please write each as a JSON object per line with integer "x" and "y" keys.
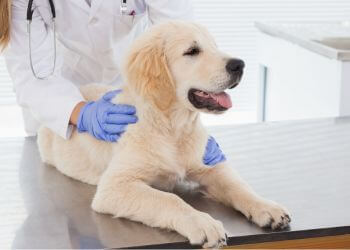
{"x": 304, "y": 165}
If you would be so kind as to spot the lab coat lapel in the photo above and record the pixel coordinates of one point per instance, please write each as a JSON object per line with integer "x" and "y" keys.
{"x": 95, "y": 5}
{"x": 82, "y": 4}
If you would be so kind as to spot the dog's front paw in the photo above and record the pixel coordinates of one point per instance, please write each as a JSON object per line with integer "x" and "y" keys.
{"x": 267, "y": 213}
{"x": 201, "y": 229}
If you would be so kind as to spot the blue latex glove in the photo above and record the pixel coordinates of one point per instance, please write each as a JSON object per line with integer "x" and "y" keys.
{"x": 213, "y": 153}
{"x": 105, "y": 120}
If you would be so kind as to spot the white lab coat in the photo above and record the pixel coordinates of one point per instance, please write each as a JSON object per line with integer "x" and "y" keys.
{"x": 91, "y": 40}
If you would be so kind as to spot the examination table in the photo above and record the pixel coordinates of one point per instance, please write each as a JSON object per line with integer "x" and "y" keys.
{"x": 304, "y": 165}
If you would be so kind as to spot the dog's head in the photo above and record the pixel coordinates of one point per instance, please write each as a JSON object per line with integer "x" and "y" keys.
{"x": 179, "y": 63}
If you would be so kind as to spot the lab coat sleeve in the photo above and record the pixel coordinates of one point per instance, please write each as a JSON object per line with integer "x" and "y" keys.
{"x": 50, "y": 101}
{"x": 162, "y": 10}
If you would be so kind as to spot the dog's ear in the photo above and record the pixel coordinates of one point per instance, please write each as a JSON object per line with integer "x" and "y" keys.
{"x": 147, "y": 71}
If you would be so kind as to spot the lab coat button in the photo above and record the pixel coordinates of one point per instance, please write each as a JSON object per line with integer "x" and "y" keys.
{"x": 93, "y": 20}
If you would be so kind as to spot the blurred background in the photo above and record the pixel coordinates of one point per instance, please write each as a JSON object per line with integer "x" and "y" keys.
{"x": 295, "y": 53}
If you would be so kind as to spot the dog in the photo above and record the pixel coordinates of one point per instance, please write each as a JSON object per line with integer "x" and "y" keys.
{"x": 173, "y": 72}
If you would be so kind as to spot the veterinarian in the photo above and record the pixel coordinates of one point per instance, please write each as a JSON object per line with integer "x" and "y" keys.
{"x": 53, "y": 47}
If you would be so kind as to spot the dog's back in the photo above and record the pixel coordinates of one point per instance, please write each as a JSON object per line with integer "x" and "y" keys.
{"x": 77, "y": 158}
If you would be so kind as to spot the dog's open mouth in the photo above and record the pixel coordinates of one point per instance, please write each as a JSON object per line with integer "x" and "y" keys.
{"x": 209, "y": 100}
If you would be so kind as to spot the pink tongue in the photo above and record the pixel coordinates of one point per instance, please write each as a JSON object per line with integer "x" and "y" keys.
{"x": 223, "y": 99}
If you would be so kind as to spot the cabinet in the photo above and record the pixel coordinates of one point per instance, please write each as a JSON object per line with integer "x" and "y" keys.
{"x": 305, "y": 71}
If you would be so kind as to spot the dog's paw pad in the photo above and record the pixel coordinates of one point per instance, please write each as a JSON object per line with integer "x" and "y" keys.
{"x": 268, "y": 214}
{"x": 202, "y": 229}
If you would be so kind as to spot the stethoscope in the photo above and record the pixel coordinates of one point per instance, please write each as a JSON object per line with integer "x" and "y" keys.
{"x": 30, "y": 11}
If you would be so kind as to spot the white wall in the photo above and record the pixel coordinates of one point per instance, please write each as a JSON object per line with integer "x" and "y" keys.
{"x": 344, "y": 108}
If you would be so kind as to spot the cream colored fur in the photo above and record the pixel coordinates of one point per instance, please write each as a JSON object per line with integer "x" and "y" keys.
{"x": 165, "y": 146}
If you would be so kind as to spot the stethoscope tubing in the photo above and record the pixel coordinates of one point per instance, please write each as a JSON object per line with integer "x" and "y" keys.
{"x": 31, "y": 57}
{"x": 30, "y": 11}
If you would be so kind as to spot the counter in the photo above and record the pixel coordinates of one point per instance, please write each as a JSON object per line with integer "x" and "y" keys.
{"x": 305, "y": 70}
{"x": 325, "y": 38}
{"x": 303, "y": 165}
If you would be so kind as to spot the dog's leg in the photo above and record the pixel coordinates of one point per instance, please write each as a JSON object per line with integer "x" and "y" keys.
{"x": 223, "y": 184}
{"x": 123, "y": 196}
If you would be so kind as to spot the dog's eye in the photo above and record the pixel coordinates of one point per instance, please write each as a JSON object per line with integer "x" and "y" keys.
{"x": 192, "y": 51}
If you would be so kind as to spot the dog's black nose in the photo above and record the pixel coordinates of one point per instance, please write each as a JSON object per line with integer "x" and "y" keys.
{"x": 234, "y": 66}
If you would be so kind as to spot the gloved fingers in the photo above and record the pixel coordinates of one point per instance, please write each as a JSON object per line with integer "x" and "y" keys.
{"x": 120, "y": 119}
{"x": 211, "y": 147}
{"x": 215, "y": 150}
{"x": 112, "y": 138}
{"x": 213, "y": 153}
{"x": 111, "y": 94}
{"x": 121, "y": 109}
{"x": 216, "y": 159}
{"x": 114, "y": 128}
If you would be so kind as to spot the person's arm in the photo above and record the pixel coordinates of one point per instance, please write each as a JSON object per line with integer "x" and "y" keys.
{"x": 53, "y": 102}
{"x": 75, "y": 114}
{"x": 163, "y": 10}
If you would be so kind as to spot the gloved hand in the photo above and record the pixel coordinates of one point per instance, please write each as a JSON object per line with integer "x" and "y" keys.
{"x": 213, "y": 153}
{"x": 105, "y": 120}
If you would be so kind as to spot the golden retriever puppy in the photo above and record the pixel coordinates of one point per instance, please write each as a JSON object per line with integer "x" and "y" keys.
{"x": 173, "y": 72}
